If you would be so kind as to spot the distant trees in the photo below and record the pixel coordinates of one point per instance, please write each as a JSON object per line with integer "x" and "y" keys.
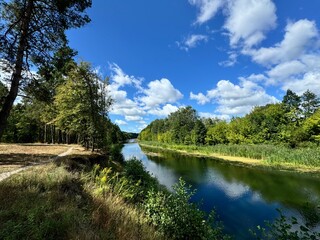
{"x": 30, "y": 30}
{"x": 296, "y": 119}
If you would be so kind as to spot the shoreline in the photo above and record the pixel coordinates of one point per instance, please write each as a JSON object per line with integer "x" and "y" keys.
{"x": 244, "y": 161}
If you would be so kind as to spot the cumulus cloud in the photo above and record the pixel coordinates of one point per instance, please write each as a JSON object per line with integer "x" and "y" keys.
{"x": 153, "y": 99}
{"x": 239, "y": 99}
{"x": 200, "y": 98}
{"x": 159, "y": 92}
{"x": 294, "y": 62}
{"x": 287, "y": 69}
{"x": 300, "y": 38}
{"x": 163, "y": 111}
{"x": 207, "y": 9}
{"x": 249, "y": 20}
{"x": 309, "y": 81}
{"x": 120, "y": 78}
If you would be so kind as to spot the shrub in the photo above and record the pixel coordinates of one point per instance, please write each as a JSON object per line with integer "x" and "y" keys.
{"x": 177, "y": 218}
{"x": 283, "y": 229}
{"x": 139, "y": 176}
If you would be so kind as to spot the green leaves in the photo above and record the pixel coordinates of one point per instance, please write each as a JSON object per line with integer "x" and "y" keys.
{"x": 177, "y": 218}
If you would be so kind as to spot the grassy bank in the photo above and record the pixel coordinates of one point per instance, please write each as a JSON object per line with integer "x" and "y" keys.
{"x": 90, "y": 196}
{"x": 61, "y": 201}
{"x": 280, "y": 157}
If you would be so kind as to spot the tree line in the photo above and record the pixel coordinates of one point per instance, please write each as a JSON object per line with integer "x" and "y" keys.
{"x": 293, "y": 121}
{"x": 65, "y": 101}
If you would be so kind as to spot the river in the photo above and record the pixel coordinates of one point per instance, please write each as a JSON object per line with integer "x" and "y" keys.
{"x": 243, "y": 197}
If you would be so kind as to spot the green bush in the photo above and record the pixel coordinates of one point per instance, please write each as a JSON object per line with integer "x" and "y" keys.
{"x": 284, "y": 229}
{"x": 139, "y": 176}
{"x": 177, "y": 218}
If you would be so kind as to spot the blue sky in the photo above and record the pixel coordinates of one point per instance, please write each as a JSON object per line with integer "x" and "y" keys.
{"x": 222, "y": 57}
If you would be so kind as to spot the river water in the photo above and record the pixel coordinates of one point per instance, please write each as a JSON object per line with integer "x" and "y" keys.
{"x": 243, "y": 197}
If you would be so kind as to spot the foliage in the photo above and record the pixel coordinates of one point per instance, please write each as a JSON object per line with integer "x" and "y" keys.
{"x": 177, "y": 218}
{"x": 292, "y": 122}
{"x": 31, "y": 30}
{"x": 283, "y": 229}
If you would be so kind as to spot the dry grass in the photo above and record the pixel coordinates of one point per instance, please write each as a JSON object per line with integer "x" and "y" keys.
{"x": 14, "y": 156}
{"x": 55, "y": 201}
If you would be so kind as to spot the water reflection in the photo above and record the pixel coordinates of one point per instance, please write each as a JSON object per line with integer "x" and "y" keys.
{"x": 243, "y": 197}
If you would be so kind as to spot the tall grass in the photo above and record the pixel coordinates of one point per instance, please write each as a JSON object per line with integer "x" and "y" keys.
{"x": 273, "y": 155}
{"x": 61, "y": 202}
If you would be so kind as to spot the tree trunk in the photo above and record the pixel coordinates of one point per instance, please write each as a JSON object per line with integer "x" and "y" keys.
{"x": 45, "y": 133}
{"x": 18, "y": 65}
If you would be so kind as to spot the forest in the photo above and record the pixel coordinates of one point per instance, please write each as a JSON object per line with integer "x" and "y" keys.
{"x": 293, "y": 122}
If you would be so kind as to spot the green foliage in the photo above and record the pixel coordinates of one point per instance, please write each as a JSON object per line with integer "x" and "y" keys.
{"x": 284, "y": 229}
{"x": 177, "y": 218}
{"x": 136, "y": 172}
{"x": 292, "y": 122}
{"x": 217, "y": 133}
{"x": 310, "y": 103}
{"x": 3, "y": 93}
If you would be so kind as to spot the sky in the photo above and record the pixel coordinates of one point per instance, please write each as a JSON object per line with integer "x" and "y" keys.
{"x": 222, "y": 57}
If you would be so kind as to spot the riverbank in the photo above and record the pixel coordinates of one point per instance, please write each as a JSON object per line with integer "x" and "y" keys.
{"x": 302, "y": 160}
{"x": 61, "y": 199}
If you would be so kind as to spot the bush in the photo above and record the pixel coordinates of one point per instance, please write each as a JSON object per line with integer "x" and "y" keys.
{"x": 283, "y": 229}
{"x": 136, "y": 172}
{"x": 177, "y": 218}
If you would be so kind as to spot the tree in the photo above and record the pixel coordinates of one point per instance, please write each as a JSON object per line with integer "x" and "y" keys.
{"x": 82, "y": 106}
{"x": 310, "y": 103}
{"x": 199, "y": 133}
{"x": 217, "y": 134}
{"x": 30, "y": 31}
{"x": 182, "y": 123}
{"x": 291, "y": 102}
{"x": 3, "y": 93}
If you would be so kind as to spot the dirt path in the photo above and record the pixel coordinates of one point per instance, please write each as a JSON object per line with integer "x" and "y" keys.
{"x": 5, "y": 175}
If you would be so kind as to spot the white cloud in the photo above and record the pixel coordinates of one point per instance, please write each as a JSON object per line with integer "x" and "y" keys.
{"x": 310, "y": 80}
{"x": 207, "y": 9}
{"x": 120, "y": 78}
{"x": 159, "y": 92}
{"x": 231, "y": 61}
{"x": 154, "y": 99}
{"x": 287, "y": 69}
{"x": 249, "y": 20}
{"x": 200, "y": 98}
{"x": 300, "y": 38}
{"x": 192, "y": 41}
{"x": 133, "y": 118}
{"x": 164, "y": 111}
{"x": 238, "y": 99}
{"x": 120, "y": 122}
{"x": 212, "y": 115}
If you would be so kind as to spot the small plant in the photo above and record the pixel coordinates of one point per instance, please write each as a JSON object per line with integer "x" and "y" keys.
{"x": 177, "y": 218}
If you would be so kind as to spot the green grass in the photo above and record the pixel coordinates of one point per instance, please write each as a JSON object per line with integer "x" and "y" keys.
{"x": 61, "y": 202}
{"x": 274, "y": 155}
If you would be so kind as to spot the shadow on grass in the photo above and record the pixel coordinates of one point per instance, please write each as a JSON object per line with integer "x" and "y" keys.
{"x": 23, "y": 159}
